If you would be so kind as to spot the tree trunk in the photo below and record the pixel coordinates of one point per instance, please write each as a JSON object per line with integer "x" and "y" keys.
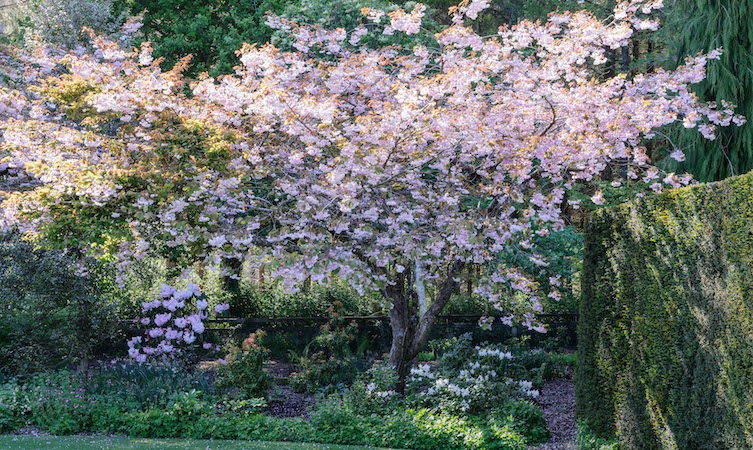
{"x": 84, "y": 331}
{"x": 625, "y": 53}
{"x": 83, "y": 320}
{"x": 410, "y": 332}
{"x": 232, "y": 283}
{"x": 469, "y": 280}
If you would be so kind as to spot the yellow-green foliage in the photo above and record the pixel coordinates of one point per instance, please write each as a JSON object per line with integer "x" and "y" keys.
{"x": 666, "y": 322}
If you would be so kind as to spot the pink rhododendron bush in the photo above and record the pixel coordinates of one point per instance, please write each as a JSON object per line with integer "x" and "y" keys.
{"x": 173, "y": 322}
{"x": 387, "y": 167}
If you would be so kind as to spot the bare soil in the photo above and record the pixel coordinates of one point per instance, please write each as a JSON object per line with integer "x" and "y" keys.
{"x": 284, "y": 401}
{"x": 557, "y": 402}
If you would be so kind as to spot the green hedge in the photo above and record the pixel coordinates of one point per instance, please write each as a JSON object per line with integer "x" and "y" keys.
{"x": 666, "y": 323}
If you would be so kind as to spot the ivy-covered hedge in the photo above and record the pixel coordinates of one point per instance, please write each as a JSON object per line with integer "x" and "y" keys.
{"x": 666, "y": 323}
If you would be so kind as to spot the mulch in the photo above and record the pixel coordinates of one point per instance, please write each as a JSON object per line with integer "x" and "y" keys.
{"x": 557, "y": 402}
{"x": 284, "y": 401}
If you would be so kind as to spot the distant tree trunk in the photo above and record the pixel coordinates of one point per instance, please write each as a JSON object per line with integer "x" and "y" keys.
{"x": 469, "y": 274}
{"x": 410, "y": 332}
{"x": 83, "y": 322}
{"x": 84, "y": 334}
{"x": 625, "y": 59}
{"x": 232, "y": 283}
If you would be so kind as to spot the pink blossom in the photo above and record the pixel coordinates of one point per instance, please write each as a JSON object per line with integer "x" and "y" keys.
{"x": 189, "y": 337}
{"x": 155, "y": 332}
{"x": 677, "y": 155}
{"x": 150, "y": 305}
{"x": 198, "y": 327}
{"x": 161, "y": 319}
{"x": 172, "y": 334}
{"x": 164, "y": 347}
{"x": 166, "y": 291}
{"x": 171, "y": 304}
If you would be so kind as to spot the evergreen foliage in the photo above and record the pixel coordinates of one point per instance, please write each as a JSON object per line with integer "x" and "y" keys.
{"x": 700, "y": 26}
{"x": 51, "y": 314}
{"x": 666, "y": 328}
{"x": 209, "y": 31}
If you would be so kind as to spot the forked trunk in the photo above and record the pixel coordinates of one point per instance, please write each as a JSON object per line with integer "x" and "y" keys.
{"x": 409, "y": 330}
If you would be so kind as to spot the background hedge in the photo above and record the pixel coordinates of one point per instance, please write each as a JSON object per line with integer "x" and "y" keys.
{"x": 666, "y": 322}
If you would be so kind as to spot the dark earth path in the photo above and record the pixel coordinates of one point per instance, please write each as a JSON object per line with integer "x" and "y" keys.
{"x": 557, "y": 401}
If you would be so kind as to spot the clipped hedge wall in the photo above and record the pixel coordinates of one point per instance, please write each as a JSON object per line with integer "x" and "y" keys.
{"x": 666, "y": 321}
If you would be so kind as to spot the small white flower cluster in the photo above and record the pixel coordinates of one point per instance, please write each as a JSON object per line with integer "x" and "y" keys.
{"x": 483, "y": 377}
{"x": 526, "y": 387}
{"x": 371, "y": 387}
{"x": 443, "y": 386}
{"x": 480, "y": 382}
{"x": 421, "y": 372}
{"x": 493, "y": 352}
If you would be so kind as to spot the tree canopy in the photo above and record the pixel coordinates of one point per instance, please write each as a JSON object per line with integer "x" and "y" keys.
{"x": 342, "y": 160}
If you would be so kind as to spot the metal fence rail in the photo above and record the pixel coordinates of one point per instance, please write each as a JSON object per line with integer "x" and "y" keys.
{"x": 307, "y": 323}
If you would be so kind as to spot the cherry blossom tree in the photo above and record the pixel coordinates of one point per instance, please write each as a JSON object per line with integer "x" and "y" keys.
{"x": 392, "y": 168}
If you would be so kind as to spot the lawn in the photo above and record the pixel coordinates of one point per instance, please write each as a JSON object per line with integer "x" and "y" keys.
{"x": 100, "y": 442}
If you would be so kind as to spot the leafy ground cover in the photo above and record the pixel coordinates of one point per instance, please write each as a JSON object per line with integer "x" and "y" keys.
{"x": 471, "y": 397}
{"x": 99, "y": 442}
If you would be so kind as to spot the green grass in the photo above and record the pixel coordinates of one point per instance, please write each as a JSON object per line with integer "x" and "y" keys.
{"x": 100, "y": 442}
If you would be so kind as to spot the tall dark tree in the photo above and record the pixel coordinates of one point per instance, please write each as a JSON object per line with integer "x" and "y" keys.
{"x": 210, "y": 31}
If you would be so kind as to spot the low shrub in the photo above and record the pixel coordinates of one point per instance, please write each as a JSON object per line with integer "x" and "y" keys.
{"x": 149, "y": 385}
{"x": 524, "y": 417}
{"x": 372, "y": 392}
{"x": 335, "y": 422}
{"x": 332, "y": 366}
{"x": 53, "y": 308}
{"x": 243, "y": 372}
{"x": 273, "y": 301}
{"x": 539, "y": 364}
{"x": 64, "y": 403}
{"x": 324, "y": 375}
{"x": 588, "y": 440}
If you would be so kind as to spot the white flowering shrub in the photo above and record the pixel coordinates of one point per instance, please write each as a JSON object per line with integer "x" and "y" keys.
{"x": 174, "y": 321}
{"x": 61, "y": 22}
{"x": 472, "y": 380}
{"x": 373, "y": 391}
